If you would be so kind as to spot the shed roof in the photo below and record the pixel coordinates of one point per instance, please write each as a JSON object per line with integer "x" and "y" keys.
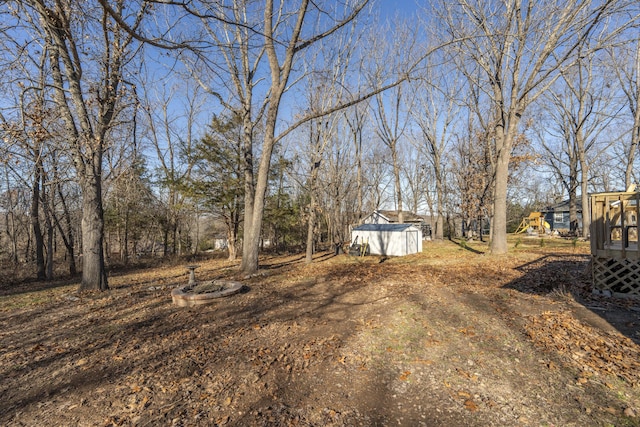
{"x": 382, "y": 227}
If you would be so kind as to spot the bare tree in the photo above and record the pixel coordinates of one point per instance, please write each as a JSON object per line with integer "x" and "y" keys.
{"x": 280, "y": 67}
{"x": 391, "y": 111}
{"x": 391, "y": 124}
{"x": 259, "y": 43}
{"x": 26, "y": 141}
{"x": 473, "y": 162}
{"x": 414, "y": 170}
{"x": 356, "y": 119}
{"x": 64, "y": 194}
{"x": 171, "y": 135}
{"x": 15, "y": 210}
{"x": 321, "y": 132}
{"x": 87, "y": 78}
{"x": 519, "y": 48}
{"x": 338, "y": 191}
{"x": 436, "y": 112}
{"x": 245, "y": 54}
{"x": 579, "y": 111}
{"x": 626, "y": 65}
{"x": 325, "y": 89}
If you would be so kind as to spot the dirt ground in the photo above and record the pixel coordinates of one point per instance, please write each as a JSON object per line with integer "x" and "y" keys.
{"x": 449, "y": 337}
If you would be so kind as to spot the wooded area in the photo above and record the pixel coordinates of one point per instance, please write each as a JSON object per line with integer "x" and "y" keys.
{"x": 149, "y": 128}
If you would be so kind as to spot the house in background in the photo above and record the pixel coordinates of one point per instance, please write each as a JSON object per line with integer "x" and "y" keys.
{"x": 391, "y": 217}
{"x": 558, "y": 216}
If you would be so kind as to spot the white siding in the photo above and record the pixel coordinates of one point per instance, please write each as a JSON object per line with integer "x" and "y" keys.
{"x": 390, "y": 242}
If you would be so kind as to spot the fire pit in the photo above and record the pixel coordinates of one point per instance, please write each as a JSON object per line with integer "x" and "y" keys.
{"x": 196, "y": 293}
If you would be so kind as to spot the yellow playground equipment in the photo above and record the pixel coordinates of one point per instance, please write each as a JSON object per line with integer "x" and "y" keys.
{"x": 534, "y": 222}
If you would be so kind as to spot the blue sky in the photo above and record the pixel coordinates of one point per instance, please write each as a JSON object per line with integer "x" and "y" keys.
{"x": 389, "y": 7}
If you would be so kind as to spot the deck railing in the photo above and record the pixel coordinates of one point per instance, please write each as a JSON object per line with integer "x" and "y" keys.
{"x": 614, "y": 243}
{"x": 614, "y": 224}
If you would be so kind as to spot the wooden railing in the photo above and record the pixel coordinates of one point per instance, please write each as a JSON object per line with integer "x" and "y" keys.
{"x": 614, "y": 224}
{"x": 614, "y": 243}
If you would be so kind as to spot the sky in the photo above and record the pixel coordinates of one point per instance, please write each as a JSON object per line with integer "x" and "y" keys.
{"x": 390, "y": 7}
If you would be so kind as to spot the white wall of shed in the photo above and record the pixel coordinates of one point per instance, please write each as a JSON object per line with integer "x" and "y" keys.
{"x": 392, "y": 243}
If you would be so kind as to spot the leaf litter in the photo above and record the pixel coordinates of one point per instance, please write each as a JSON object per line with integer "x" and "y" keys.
{"x": 423, "y": 340}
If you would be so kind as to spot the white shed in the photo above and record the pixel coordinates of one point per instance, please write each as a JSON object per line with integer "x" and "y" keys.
{"x": 389, "y": 239}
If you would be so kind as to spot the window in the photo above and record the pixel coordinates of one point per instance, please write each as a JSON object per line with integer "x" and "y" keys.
{"x": 558, "y": 217}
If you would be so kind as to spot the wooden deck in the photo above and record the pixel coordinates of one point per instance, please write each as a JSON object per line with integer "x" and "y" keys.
{"x": 616, "y": 250}
{"x": 614, "y": 243}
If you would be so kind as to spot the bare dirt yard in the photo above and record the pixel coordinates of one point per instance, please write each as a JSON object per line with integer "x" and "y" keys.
{"x": 449, "y": 337}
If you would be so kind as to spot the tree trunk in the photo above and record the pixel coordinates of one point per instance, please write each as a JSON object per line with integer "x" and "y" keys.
{"x": 249, "y": 258}
{"x": 312, "y": 216}
{"x": 396, "y": 175}
{"x": 125, "y": 243}
{"x": 498, "y": 244}
{"x": 35, "y": 221}
{"x": 68, "y": 234}
{"x": 359, "y": 202}
{"x": 48, "y": 203}
{"x": 94, "y": 276}
{"x": 586, "y": 209}
{"x": 279, "y": 77}
{"x": 439, "y": 232}
{"x": 573, "y": 209}
{"x": 165, "y": 239}
{"x": 252, "y": 231}
{"x": 232, "y": 239}
{"x": 50, "y": 248}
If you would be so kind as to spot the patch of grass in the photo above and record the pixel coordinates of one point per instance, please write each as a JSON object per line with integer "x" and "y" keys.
{"x": 562, "y": 293}
{"x": 551, "y": 244}
{"x": 400, "y": 337}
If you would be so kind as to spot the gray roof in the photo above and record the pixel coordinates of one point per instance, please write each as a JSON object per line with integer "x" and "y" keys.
{"x": 382, "y": 227}
{"x": 563, "y": 206}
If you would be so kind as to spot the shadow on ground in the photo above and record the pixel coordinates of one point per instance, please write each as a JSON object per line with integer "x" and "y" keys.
{"x": 569, "y": 277}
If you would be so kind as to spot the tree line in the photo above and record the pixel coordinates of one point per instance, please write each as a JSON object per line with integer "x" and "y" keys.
{"x": 134, "y": 127}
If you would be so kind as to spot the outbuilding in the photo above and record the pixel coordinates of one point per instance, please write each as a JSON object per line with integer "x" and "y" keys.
{"x": 388, "y": 239}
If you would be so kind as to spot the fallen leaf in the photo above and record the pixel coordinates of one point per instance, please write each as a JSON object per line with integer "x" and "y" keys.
{"x": 470, "y": 405}
{"x": 222, "y": 420}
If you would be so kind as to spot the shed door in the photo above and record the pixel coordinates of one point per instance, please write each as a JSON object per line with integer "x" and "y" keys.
{"x": 412, "y": 242}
